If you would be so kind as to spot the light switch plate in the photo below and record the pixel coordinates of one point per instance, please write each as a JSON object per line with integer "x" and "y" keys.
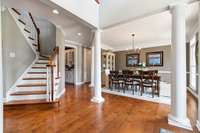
{"x": 12, "y": 54}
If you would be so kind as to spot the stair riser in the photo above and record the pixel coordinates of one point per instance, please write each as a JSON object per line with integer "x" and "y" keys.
{"x": 33, "y": 81}
{"x": 27, "y": 97}
{"x": 42, "y": 61}
{"x": 30, "y": 89}
{"x": 33, "y": 87}
{"x": 38, "y": 70}
{"x": 39, "y": 65}
{"x": 36, "y": 76}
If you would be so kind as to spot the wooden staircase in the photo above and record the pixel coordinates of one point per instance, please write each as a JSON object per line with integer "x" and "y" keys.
{"x": 37, "y": 85}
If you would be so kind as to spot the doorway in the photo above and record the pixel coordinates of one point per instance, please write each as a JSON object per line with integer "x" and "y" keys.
{"x": 69, "y": 65}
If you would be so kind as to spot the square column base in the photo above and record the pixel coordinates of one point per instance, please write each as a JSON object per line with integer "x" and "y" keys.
{"x": 97, "y": 99}
{"x": 91, "y": 85}
{"x": 179, "y": 123}
{"x": 198, "y": 125}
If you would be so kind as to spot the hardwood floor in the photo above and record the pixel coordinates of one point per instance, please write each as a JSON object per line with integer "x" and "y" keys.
{"x": 77, "y": 114}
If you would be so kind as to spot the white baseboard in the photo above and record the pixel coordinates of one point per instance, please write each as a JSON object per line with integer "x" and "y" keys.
{"x": 179, "y": 123}
{"x": 198, "y": 125}
{"x": 79, "y": 83}
{"x": 60, "y": 94}
{"x": 97, "y": 99}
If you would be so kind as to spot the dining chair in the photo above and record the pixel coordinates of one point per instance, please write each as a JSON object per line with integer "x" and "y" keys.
{"x": 149, "y": 81}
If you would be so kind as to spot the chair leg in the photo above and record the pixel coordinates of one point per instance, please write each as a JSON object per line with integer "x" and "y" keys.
{"x": 153, "y": 92}
{"x": 133, "y": 88}
{"x": 142, "y": 90}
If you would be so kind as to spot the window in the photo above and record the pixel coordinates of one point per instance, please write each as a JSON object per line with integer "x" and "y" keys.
{"x": 193, "y": 64}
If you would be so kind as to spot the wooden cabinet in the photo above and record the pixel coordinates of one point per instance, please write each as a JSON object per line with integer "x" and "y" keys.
{"x": 108, "y": 61}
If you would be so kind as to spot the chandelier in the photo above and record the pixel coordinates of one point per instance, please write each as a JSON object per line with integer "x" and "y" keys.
{"x": 134, "y": 49}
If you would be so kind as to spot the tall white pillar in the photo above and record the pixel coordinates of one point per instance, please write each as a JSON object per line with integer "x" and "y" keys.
{"x": 198, "y": 121}
{"x": 1, "y": 74}
{"x": 92, "y": 67}
{"x": 97, "y": 98}
{"x": 178, "y": 115}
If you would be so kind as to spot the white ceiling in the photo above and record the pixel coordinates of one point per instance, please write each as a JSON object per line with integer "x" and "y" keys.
{"x": 70, "y": 25}
{"x": 150, "y": 31}
{"x": 113, "y": 12}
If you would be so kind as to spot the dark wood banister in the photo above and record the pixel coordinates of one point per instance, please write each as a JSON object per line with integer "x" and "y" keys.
{"x": 37, "y": 30}
{"x": 97, "y": 1}
{"x": 52, "y": 57}
{"x": 51, "y": 65}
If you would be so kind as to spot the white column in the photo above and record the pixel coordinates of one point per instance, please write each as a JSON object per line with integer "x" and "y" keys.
{"x": 1, "y": 76}
{"x": 97, "y": 98}
{"x": 198, "y": 121}
{"x": 92, "y": 67}
{"x": 178, "y": 115}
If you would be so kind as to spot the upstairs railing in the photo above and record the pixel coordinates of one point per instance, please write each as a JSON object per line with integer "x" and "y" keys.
{"x": 53, "y": 75}
{"x": 30, "y": 26}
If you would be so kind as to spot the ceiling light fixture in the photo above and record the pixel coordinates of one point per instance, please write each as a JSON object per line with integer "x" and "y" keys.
{"x": 55, "y": 11}
{"x": 79, "y": 34}
{"x": 136, "y": 50}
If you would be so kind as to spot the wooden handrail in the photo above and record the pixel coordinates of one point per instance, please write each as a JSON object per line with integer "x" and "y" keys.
{"x": 97, "y": 1}
{"x": 52, "y": 57}
{"x": 51, "y": 66}
{"x": 37, "y": 30}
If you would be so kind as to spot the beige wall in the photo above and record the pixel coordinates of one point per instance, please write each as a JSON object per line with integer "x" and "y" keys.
{"x": 47, "y": 35}
{"x": 121, "y": 60}
{"x": 14, "y": 42}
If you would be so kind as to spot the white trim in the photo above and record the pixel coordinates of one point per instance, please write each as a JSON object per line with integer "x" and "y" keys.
{"x": 4, "y": 100}
{"x": 27, "y": 97}
{"x": 13, "y": 88}
{"x": 91, "y": 85}
{"x": 192, "y": 92}
{"x": 79, "y": 83}
{"x": 179, "y": 123}
{"x": 75, "y": 60}
{"x": 70, "y": 42}
{"x": 1, "y": 73}
{"x": 60, "y": 94}
{"x": 198, "y": 125}
{"x": 97, "y": 99}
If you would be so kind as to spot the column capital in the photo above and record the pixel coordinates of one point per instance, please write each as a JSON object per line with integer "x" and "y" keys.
{"x": 178, "y": 3}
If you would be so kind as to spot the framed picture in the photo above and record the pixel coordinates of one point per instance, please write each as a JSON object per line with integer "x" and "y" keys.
{"x": 154, "y": 58}
{"x": 132, "y": 60}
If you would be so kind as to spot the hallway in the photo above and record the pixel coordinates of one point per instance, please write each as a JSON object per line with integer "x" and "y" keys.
{"x": 78, "y": 115}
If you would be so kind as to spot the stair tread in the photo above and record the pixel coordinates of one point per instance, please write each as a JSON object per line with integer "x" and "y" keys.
{"x": 32, "y": 85}
{"x": 41, "y": 62}
{"x": 27, "y": 30}
{"x": 31, "y": 102}
{"x": 31, "y": 38}
{"x": 28, "y": 93}
{"x": 44, "y": 56}
{"x": 38, "y": 67}
{"x": 22, "y": 21}
{"x": 41, "y": 58}
{"x": 35, "y": 78}
{"x": 34, "y": 44}
{"x": 37, "y": 72}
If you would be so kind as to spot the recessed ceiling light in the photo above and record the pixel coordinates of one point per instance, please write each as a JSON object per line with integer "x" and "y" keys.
{"x": 79, "y": 34}
{"x": 55, "y": 11}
